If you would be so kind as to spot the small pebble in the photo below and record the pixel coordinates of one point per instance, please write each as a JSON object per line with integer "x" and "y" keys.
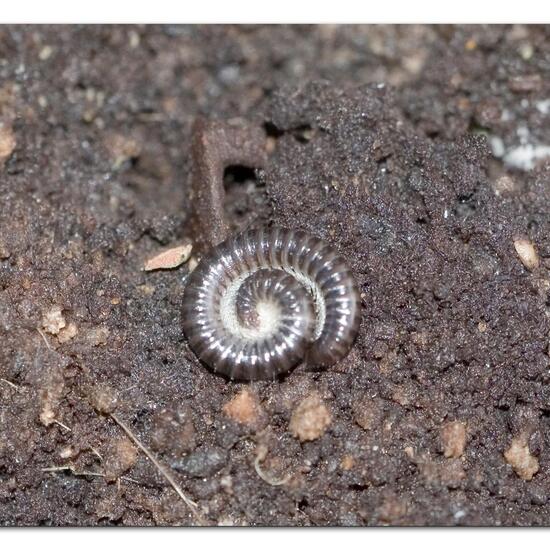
{"x": 522, "y": 461}
{"x": 67, "y": 333}
{"x": 527, "y": 253}
{"x": 310, "y": 419}
{"x": 97, "y": 336}
{"x": 45, "y": 53}
{"x": 453, "y": 439}
{"x": 202, "y": 463}
{"x": 169, "y": 258}
{"x": 244, "y": 408}
{"x": 103, "y": 399}
{"x": 347, "y": 462}
{"x": 53, "y": 320}
{"x": 504, "y": 185}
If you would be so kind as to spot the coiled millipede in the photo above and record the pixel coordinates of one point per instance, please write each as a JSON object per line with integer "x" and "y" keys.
{"x": 261, "y": 302}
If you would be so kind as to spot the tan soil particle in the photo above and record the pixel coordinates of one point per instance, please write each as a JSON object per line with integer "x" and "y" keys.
{"x": 103, "y": 399}
{"x": 310, "y": 419}
{"x": 527, "y": 253}
{"x": 67, "y": 333}
{"x": 453, "y": 439}
{"x": 121, "y": 455}
{"x": 520, "y": 458}
{"x": 53, "y": 320}
{"x": 244, "y": 408}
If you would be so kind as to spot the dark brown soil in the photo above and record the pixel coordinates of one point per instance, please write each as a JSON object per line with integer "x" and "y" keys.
{"x": 379, "y": 141}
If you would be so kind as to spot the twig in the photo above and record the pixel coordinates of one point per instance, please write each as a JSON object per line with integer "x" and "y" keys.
{"x": 11, "y": 384}
{"x": 62, "y": 425}
{"x": 44, "y": 338}
{"x": 96, "y": 452}
{"x": 167, "y": 475}
{"x": 70, "y": 468}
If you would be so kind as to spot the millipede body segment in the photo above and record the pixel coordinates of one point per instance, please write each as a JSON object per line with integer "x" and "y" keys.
{"x": 263, "y": 301}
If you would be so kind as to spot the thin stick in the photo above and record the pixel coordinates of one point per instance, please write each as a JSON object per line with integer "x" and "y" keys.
{"x": 167, "y": 475}
{"x": 62, "y": 425}
{"x": 44, "y": 338}
{"x": 14, "y": 386}
{"x": 74, "y": 472}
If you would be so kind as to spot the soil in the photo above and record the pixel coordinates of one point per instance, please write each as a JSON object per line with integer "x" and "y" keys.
{"x": 400, "y": 146}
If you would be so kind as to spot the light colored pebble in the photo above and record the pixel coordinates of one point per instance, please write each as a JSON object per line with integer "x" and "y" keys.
{"x": 53, "y": 320}
{"x": 45, "y": 53}
{"x": 169, "y": 258}
{"x": 67, "y": 333}
{"x": 527, "y": 253}
{"x": 310, "y": 419}
{"x": 520, "y": 458}
{"x": 244, "y": 408}
{"x": 453, "y": 439}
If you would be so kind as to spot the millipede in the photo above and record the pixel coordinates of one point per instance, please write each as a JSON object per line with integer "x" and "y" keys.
{"x": 262, "y": 301}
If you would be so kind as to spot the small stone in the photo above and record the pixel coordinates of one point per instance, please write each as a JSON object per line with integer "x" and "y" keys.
{"x": 347, "y": 462}
{"x": 169, "y": 258}
{"x": 67, "y": 333}
{"x": 526, "y": 51}
{"x": 120, "y": 457}
{"x": 482, "y": 326}
{"x": 310, "y": 419}
{"x": 146, "y": 290}
{"x": 67, "y": 452}
{"x": 527, "y": 253}
{"x": 97, "y": 336}
{"x": 470, "y": 45}
{"x": 133, "y": 39}
{"x": 202, "y": 463}
{"x": 53, "y": 320}
{"x": 103, "y": 399}
{"x": 519, "y": 457}
{"x": 244, "y": 408}
{"x": 7, "y": 142}
{"x": 504, "y": 185}
{"x": 45, "y": 53}
{"x": 453, "y": 439}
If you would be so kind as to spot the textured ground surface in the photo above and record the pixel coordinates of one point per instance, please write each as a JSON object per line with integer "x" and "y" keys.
{"x": 417, "y": 151}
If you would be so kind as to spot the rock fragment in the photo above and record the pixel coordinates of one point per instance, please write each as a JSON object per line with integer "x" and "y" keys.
{"x": 244, "y": 409}
{"x": 520, "y": 458}
{"x": 527, "y": 253}
{"x": 169, "y": 258}
{"x": 53, "y": 320}
{"x": 310, "y": 419}
{"x": 453, "y": 439}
